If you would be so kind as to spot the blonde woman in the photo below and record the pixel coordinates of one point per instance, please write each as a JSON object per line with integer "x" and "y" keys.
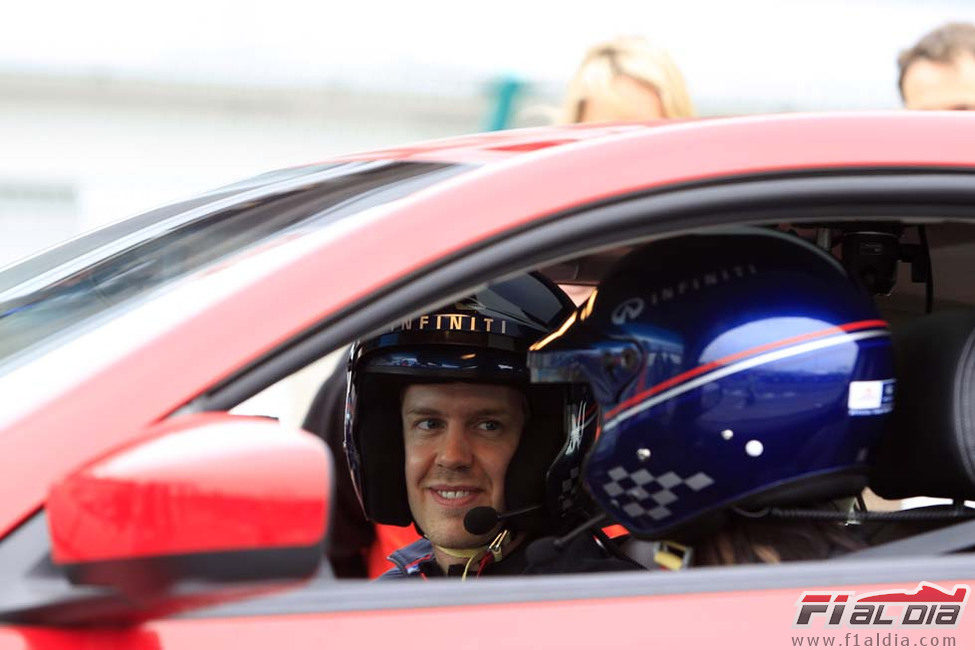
{"x": 623, "y": 80}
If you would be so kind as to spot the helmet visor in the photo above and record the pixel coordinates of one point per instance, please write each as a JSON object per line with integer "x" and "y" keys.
{"x": 436, "y": 363}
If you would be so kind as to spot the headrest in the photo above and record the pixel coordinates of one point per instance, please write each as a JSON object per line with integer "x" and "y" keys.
{"x": 930, "y": 448}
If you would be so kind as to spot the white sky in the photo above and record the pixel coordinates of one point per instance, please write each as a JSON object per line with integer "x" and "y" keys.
{"x": 827, "y": 53}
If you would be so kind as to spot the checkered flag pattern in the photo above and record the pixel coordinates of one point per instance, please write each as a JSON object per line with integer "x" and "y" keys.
{"x": 640, "y": 493}
{"x": 568, "y": 489}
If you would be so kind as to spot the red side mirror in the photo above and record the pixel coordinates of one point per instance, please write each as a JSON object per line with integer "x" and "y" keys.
{"x": 211, "y": 496}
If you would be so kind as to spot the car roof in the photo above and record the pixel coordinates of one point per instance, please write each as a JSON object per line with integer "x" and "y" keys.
{"x": 867, "y": 136}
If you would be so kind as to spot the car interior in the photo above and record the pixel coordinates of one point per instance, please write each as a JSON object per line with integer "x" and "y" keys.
{"x": 919, "y": 277}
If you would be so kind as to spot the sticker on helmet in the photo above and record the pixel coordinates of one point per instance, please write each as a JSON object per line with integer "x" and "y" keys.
{"x": 871, "y": 397}
{"x": 455, "y": 322}
{"x": 627, "y": 310}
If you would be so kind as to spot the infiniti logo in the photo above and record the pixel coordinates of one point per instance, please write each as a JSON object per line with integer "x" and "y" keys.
{"x": 627, "y": 310}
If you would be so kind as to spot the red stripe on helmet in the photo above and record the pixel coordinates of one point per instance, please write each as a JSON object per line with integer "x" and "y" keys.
{"x": 717, "y": 363}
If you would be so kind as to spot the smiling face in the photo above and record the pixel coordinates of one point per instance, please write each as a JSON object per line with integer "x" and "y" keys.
{"x": 458, "y": 439}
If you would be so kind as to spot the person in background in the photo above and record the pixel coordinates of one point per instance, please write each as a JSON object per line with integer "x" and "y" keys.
{"x": 938, "y": 72}
{"x": 625, "y": 80}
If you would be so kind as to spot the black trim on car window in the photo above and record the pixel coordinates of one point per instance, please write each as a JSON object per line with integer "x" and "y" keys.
{"x": 91, "y": 242}
{"x": 340, "y": 596}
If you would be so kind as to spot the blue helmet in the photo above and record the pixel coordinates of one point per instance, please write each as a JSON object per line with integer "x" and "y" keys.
{"x": 740, "y": 368}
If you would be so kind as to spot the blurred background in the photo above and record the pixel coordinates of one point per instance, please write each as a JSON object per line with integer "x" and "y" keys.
{"x": 111, "y": 108}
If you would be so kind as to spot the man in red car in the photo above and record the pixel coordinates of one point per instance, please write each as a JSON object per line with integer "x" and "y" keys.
{"x": 444, "y": 431}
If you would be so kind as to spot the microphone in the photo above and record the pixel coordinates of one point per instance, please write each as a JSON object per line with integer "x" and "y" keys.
{"x": 545, "y": 550}
{"x": 482, "y": 519}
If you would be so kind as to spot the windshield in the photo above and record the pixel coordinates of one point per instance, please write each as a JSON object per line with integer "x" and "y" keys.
{"x": 61, "y": 288}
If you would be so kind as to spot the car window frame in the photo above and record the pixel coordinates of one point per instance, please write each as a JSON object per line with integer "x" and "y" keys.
{"x": 327, "y": 596}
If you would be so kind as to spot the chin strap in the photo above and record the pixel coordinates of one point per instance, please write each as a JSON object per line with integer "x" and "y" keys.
{"x": 480, "y": 555}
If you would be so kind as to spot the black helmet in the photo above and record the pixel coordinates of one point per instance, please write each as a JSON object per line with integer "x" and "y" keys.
{"x": 483, "y": 338}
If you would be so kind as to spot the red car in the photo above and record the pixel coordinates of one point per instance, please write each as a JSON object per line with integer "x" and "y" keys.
{"x": 135, "y": 512}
